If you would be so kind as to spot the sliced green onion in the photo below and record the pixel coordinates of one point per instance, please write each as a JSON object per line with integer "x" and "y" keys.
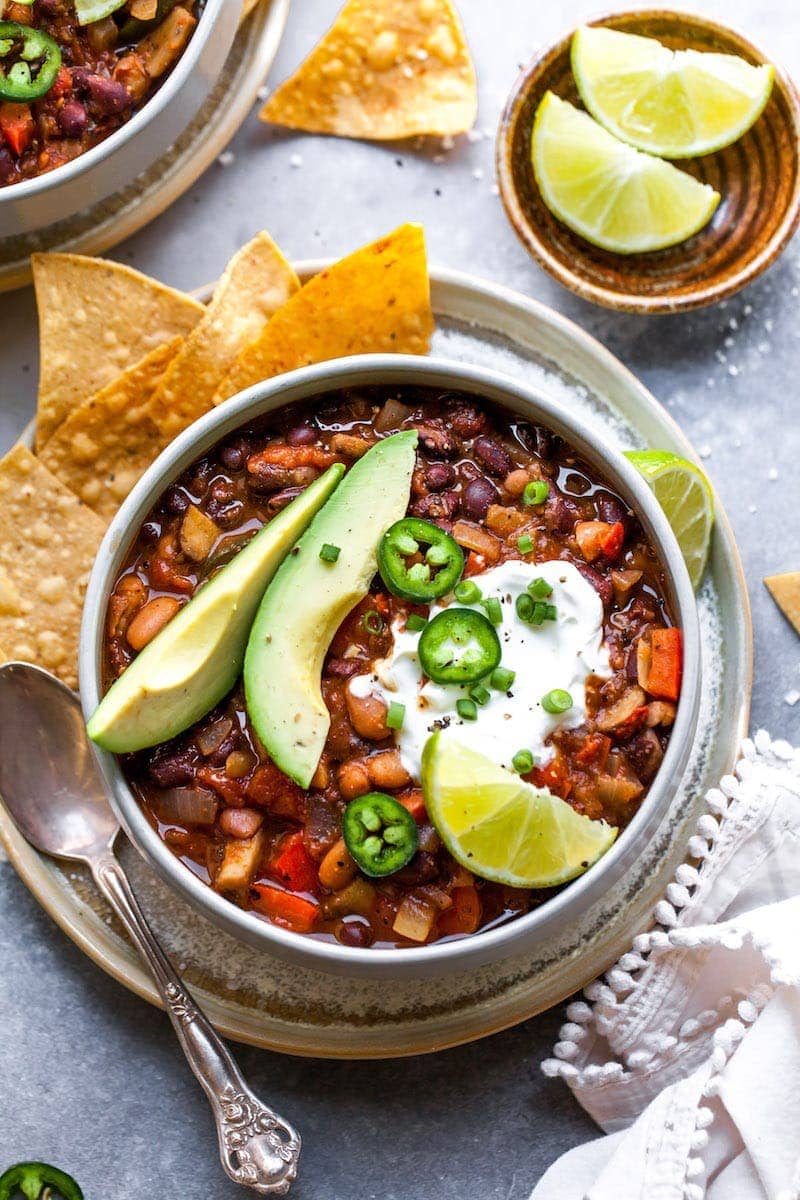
{"x": 493, "y": 609}
{"x": 522, "y": 762}
{"x": 502, "y": 678}
{"x": 536, "y": 492}
{"x": 551, "y": 612}
{"x": 557, "y": 701}
{"x": 330, "y": 553}
{"x": 480, "y": 694}
{"x": 467, "y": 592}
{"x": 539, "y": 588}
{"x": 415, "y": 623}
{"x": 467, "y": 710}
{"x": 373, "y": 622}
{"x": 524, "y": 605}
{"x": 539, "y": 612}
{"x": 395, "y": 716}
{"x": 525, "y": 544}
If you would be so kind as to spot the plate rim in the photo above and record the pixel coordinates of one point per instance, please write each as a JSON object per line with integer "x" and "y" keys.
{"x": 118, "y": 959}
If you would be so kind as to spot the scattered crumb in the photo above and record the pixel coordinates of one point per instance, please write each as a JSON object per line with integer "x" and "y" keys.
{"x": 474, "y": 135}
{"x": 262, "y": 93}
{"x": 752, "y": 508}
{"x": 792, "y": 697}
{"x": 495, "y": 190}
{"x": 448, "y": 141}
{"x": 438, "y": 159}
{"x": 705, "y": 451}
{"x": 478, "y": 173}
{"x": 748, "y": 308}
{"x": 296, "y": 160}
{"x": 226, "y": 158}
{"x": 772, "y": 474}
{"x": 733, "y": 370}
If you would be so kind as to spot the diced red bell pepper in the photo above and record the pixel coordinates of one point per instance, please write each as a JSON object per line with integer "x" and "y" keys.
{"x": 596, "y": 538}
{"x": 275, "y": 791}
{"x": 611, "y": 541}
{"x": 666, "y": 664}
{"x": 474, "y": 565}
{"x": 62, "y": 83}
{"x": 463, "y": 915}
{"x": 554, "y": 776}
{"x": 594, "y": 750}
{"x": 414, "y": 801}
{"x": 284, "y": 908}
{"x": 293, "y": 866}
{"x": 16, "y": 127}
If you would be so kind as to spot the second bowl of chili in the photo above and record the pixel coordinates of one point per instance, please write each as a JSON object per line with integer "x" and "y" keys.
{"x": 337, "y": 862}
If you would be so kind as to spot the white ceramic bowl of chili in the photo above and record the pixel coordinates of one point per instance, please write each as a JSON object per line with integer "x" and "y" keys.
{"x": 520, "y": 934}
{"x": 115, "y": 163}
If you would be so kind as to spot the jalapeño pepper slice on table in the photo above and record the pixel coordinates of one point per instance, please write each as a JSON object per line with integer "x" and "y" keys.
{"x": 435, "y": 573}
{"x": 459, "y": 645}
{"x": 33, "y": 1178}
{"x": 380, "y": 833}
{"x": 29, "y": 62}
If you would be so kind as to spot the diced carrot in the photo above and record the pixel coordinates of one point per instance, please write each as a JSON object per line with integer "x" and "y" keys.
{"x": 414, "y": 801}
{"x": 594, "y": 750}
{"x": 474, "y": 565}
{"x": 293, "y": 866}
{"x": 611, "y": 541}
{"x": 16, "y": 127}
{"x": 666, "y": 664}
{"x": 284, "y": 908}
{"x": 464, "y": 914}
{"x": 293, "y": 456}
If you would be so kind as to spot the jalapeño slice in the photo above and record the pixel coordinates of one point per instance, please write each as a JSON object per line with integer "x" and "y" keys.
{"x": 29, "y": 62}
{"x": 32, "y": 1179}
{"x": 380, "y": 833}
{"x": 459, "y": 645}
{"x": 438, "y": 566}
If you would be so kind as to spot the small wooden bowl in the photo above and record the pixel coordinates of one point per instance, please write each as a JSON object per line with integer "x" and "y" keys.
{"x": 758, "y": 178}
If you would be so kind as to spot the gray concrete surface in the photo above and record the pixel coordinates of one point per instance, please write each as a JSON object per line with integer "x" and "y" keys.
{"x": 91, "y": 1078}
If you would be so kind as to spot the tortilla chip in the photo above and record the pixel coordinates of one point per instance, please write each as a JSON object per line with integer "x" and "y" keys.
{"x": 107, "y": 444}
{"x": 785, "y": 591}
{"x": 375, "y": 300}
{"x": 386, "y": 69}
{"x": 257, "y": 282}
{"x": 47, "y": 546}
{"x": 96, "y": 319}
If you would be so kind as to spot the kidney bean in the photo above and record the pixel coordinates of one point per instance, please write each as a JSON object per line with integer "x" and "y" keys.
{"x": 176, "y": 501}
{"x": 150, "y": 532}
{"x": 611, "y": 509}
{"x": 344, "y": 668}
{"x": 560, "y": 514}
{"x": 644, "y": 753}
{"x": 439, "y": 476}
{"x": 436, "y": 507}
{"x": 172, "y": 765}
{"x": 477, "y": 496}
{"x": 267, "y": 477}
{"x": 234, "y": 456}
{"x": 6, "y": 165}
{"x": 226, "y": 515}
{"x": 109, "y": 96}
{"x": 421, "y": 869}
{"x": 73, "y": 119}
{"x": 279, "y": 500}
{"x": 536, "y": 439}
{"x": 302, "y": 435}
{"x": 493, "y": 456}
{"x": 466, "y": 421}
{"x": 435, "y": 441}
{"x": 601, "y": 585}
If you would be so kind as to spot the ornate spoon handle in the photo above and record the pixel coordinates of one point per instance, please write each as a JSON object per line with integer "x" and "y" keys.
{"x": 257, "y": 1147}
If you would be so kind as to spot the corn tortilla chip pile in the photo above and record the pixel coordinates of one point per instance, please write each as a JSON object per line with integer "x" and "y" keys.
{"x": 126, "y": 364}
{"x": 785, "y": 591}
{"x": 387, "y": 69}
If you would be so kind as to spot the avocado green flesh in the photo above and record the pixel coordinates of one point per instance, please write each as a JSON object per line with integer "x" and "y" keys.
{"x": 195, "y": 660}
{"x": 308, "y": 599}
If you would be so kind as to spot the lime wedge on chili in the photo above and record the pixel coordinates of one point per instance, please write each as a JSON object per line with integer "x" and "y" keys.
{"x": 673, "y": 103}
{"x": 686, "y": 497}
{"x": 614, "y": 196}
{"x": 500, "y": 827}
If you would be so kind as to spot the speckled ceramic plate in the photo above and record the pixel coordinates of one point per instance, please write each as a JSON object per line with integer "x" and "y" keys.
{"x": 255, "y": 998}
{"x": 116, "y": 218}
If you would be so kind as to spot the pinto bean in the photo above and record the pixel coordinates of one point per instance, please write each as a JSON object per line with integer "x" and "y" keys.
{"x": 129, "y": 596}
{"x": 349, "y": 445}
{"x": 478, "y": 495}
{"x": 386, "y": 770}
{"x": 150, "y": 620}
{"x": 367, "y": 715}
{"x": 353, "y": 779}
{"x": 435, "y": 440}
{"x": 441, "y": 507}
{"x": 240, "y": 822}
{"x": 492, "y": 455}
{"x": 337, "y": 868}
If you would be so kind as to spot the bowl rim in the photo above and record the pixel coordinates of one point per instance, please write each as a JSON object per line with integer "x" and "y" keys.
{"x": 69, "y": 171}
{"x": 303, "y": 384}
{"x": 537, "y": 244}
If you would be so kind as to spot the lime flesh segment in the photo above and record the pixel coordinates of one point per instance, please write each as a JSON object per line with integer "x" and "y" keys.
{"x": 504, "y": 829}
{"x": 686, "y": 497}
{"x": 607, "y": 192}
{"x": 676, "y": 104}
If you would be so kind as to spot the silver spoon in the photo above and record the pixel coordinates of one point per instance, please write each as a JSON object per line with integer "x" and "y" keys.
{"x": 52, "y": 786}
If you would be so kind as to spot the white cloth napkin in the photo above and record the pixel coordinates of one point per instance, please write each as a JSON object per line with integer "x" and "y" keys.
{"x": 687, "y": 1052}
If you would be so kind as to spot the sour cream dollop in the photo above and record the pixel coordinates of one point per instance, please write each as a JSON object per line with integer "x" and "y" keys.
{"x": 557, "y": 654}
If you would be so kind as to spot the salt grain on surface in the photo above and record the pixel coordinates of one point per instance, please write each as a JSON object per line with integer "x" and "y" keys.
{"x": 792, "y": 697}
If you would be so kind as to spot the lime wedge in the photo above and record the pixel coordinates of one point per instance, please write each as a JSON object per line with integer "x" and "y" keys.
{"x": 686, "y": 497}
{"x": 612, "y": 195}
{"x": 501, "y": 828}
{"x": 677, "y": 104}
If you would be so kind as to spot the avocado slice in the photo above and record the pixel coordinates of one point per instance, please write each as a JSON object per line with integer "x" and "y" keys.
{"x": 309, "y": 598}
{"x": 195, "y": 659}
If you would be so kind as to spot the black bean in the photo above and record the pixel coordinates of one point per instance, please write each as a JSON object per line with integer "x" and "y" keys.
{"x": 302, "y": 435}
{"x": 172, "y": 766}
{"x": 267, "y": 477}
{"x": 225, "y": 515}
{"x": 344, "y": 668}
{"x": 234, "y": 456}
{"x": 150, "y": 532}
{"x": 176, "y": 501}
{"x": 537, "y": 439}
{"x": 492, "y": 455}
{"x": 477, "y": 496}
{"x": 439, "y": 476}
